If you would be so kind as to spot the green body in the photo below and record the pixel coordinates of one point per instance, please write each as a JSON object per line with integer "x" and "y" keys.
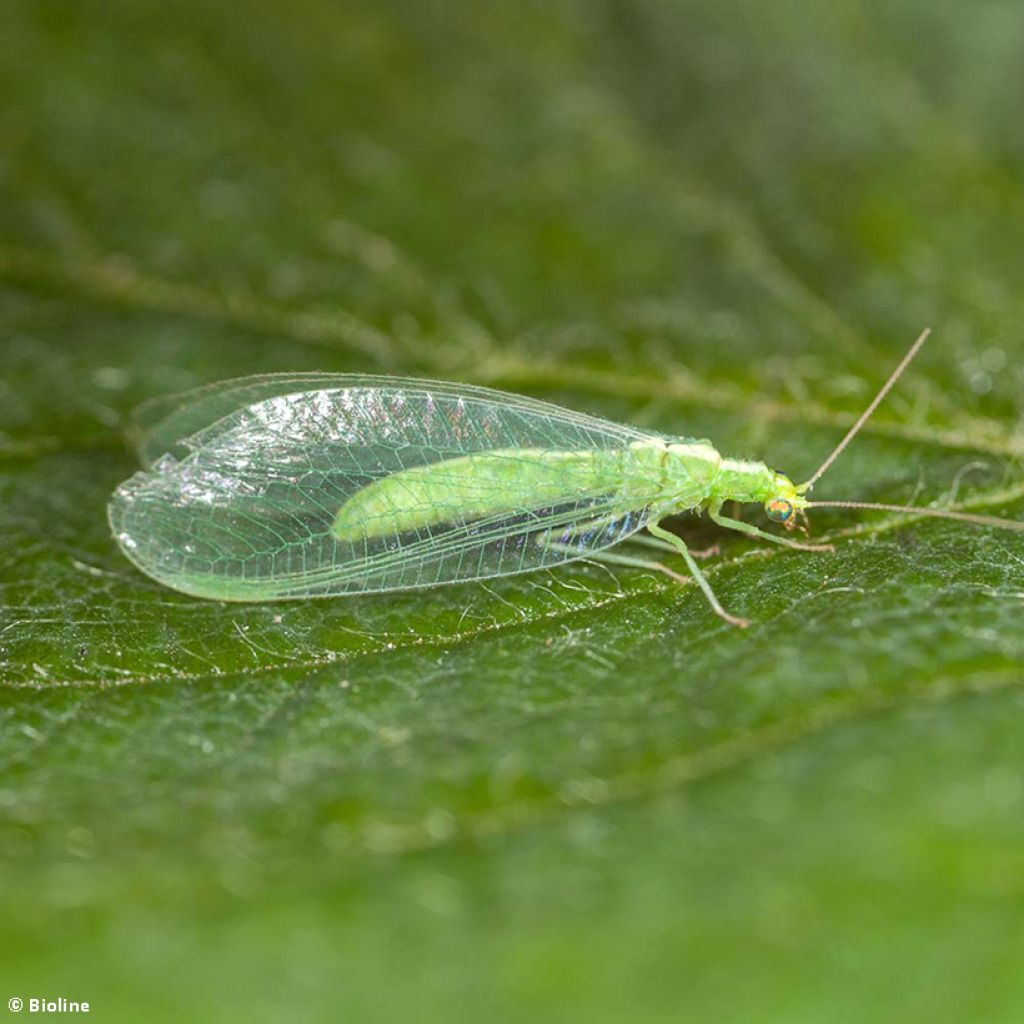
{"x": 672, "y": 476}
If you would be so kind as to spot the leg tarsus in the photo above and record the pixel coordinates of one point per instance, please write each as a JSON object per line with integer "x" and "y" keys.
{"x": 715, "y": 549}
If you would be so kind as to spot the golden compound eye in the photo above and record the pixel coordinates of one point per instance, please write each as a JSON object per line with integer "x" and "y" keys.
{"x": 778, "y": 510}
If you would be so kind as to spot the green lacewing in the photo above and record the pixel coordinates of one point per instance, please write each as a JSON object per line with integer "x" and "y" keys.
{"x": 292, "y": 486}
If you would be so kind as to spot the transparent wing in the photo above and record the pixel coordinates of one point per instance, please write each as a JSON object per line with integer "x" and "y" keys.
{"x": 243, "y": 508}
{"x": 164, "y": 425}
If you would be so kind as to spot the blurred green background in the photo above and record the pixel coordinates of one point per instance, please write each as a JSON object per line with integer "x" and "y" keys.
{"x": 569, "y": 796}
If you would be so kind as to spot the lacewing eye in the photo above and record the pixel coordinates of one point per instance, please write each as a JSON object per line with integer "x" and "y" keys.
{"x": 778, "y": 510}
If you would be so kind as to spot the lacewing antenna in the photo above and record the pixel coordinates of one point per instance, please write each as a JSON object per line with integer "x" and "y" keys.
{"x": 867, "y": 413}
{"x": 931, "y": 513}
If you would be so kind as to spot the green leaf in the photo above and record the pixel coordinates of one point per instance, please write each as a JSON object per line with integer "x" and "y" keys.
{"x": 578, "y": 794}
